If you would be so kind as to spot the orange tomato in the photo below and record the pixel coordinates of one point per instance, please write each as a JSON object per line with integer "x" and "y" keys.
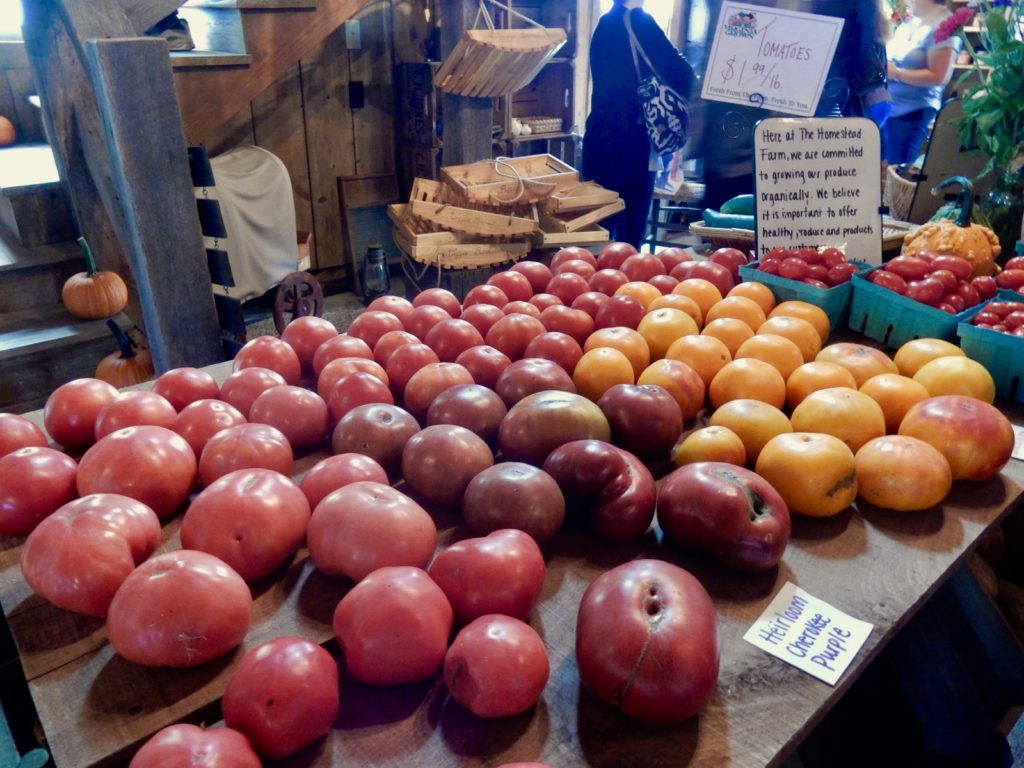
{"x": 797, "y": 330}
{"x": 701, "y": 291}
{"x": 902, "y": 473}
{"x": 729, "y": 331}
{"x": 842, "y": 412}
{"x": 679, "y": 380}
{"x": 916, "y": 352}
{"x": 710, "y": 444}
{"x": 660, "y": 327}
{"x": 600, "y": 369}
{"x": 859, "y": 359}
{"x": 640, "y": 290}
{"x": 815, "y": 375}
{"x": 957, "y": 375}
{"x": 628, "y": 341}
{"x": 705, "y": 354}
{"x": 738, "y": 307}
{"x": 748, "y": 378}
{"x": 814, "y": 473}
{"x": 753, "y": 421}
{"x": 812, "y": 313}
{"x": 759, "y": 292}
{"x": 777, "y": 351}
{"x": 895, "y": 394}
{"x": 678, "y": 301}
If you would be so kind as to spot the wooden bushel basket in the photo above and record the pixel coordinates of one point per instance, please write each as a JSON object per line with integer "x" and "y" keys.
{"x": 491, "y": 62}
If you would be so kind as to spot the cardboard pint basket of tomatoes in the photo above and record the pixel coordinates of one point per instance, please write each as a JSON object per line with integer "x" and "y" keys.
{"x": 817, "y": 276}
{"x": 994, "y": 336}
{"x": 913, "y": 297}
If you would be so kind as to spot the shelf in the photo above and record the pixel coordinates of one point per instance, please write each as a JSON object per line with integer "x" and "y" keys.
{"x": 540, "y": 137}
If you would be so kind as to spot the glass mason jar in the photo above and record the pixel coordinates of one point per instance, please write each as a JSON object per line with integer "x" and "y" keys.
{"x": 375, "y": 278}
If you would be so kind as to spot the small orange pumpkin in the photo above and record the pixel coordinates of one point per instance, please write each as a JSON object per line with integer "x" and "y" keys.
{"x": 130, "y": 365}
{"x": 94, "y": 294}
{"x": 7, "y": 132}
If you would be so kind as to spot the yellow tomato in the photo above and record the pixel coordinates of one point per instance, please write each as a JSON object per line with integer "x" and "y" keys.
{"x": 705, "y": 354}
{"x": 916, "y": 352}
{"x": 753, "y": 421}
{"x": 957, "y": 375}
{"x": 859, "y": 359}
{"x": 815, "y": 375}
{"x": 663, "y": 326}
{"x": 842, "y": 412}
{"x": 902, "y": 473}
{"x": 895, "y": 394}
{"x": 710, "y": 444}
{"x": 599, "y": 370}
{"x": 748, "y": 378}
{"x": 813, "y": 472}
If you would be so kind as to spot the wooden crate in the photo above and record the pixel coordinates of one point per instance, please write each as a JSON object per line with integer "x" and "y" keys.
{"x": 460, "y": 255}
{"x": 474, "y": 222}
{"x": 510, "y": 180}
{"x": 583, "y": 196}
{"x": 592, "y": 235}
{"x": 581, "y": 220}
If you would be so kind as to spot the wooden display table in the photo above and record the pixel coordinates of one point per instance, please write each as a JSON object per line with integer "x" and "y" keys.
{"x": 96, "y": 708}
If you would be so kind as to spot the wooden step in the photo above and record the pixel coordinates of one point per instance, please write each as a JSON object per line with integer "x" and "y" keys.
{"x": 42, "y": 349}
{"x": 33, "y": 206}
{"x": 33, "y": 277}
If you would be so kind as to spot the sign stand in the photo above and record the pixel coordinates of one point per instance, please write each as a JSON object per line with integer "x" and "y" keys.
{"x": 817, "y": 183}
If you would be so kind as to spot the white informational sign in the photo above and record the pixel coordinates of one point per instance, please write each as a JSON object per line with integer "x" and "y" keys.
{"x": 809, "y": 633}
{"x": 817, "y": 182}
{"x": 771, "y": 58}
{"x": 1018, "y": 443}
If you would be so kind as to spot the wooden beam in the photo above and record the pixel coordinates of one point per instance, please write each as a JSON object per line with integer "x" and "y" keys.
{"x": 143, "y": 14}
{"x": 467, "y": 121}
{"x": 277, "y": 42}
{"x": 150, "y": 176}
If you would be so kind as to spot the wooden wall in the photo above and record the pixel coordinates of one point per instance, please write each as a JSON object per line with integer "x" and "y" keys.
{"x": 16, "y": 85}
{"x": 306, "y": 120}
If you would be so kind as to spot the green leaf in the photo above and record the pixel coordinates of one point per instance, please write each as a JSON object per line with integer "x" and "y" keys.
{"x": 995, "y": 24}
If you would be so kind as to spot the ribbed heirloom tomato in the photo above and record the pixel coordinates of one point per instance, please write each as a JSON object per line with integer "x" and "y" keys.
{"x": 813, "y": 472}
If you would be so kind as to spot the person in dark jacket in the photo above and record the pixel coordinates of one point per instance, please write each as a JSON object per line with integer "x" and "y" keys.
{"x": 616, "y": 151}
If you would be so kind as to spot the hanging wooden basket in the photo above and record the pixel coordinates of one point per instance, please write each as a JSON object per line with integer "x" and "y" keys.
{"x": 491, "y": 62}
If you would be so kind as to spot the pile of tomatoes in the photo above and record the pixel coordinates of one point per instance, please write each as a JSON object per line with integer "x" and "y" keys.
{"x": 549, "y": 397}
{"x": 943, "y": 282}
{"x": 820, "y": 267}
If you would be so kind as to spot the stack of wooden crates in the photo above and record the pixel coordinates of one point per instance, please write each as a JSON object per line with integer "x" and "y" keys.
{"x": 496, "y": 211}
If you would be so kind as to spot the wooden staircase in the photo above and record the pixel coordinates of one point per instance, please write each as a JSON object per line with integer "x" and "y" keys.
{"x": 137, "y": 210}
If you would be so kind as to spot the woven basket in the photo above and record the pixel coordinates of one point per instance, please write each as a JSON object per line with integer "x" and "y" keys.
{"x": 899, "y": 193}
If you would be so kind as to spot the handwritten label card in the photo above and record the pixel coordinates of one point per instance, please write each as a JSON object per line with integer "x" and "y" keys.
{"x": 809, "y": 633}
{"x": 771, "y": 58}
{"x": 817, "y": 182}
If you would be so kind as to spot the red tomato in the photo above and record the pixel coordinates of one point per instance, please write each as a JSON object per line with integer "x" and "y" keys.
{"x": 356, "y": 389}
{"x": 927, "y": 291}
{"x": 985, "y": 285}
{"x": 958, "y": 266}
{"x": 439, "y": 461}
{"x": 587, "y": 302}
{"x": 575, "y": 322}
{"x": 430, "y": 381}
{"x": 438, "y": 297}
{"x": 496, "y": 666}
{"x": 482, "y": 316}
{"x": 478, "y": 409}
{"x": 133, "y": 408}
{"x": 536, "y": 272}
{"x": 1011, "y": 278}
{"x": 946, "y": 277}
{"x": 544, "y": 300}
{"x": 613, "y": 254}
{"x": 561, "y": 348}
{"x": 515, "y": 285}
{"x": 78, "y": 556}
{"x": 301, "y": 415}
{"x": 244, "y": 446}
{"x": 833, "y": 257}
{"x": 484, "y": 363}
{"x": 182, "y": 386}
{"x": 283, "y": 695}
{"x": 642, "y": 266}
{"x": 572, "y": 253}
{"x": 484, "y": 294}
{"x": 388, "y": 343}
{"x": 530, "y": 375}
{"x": 189, "y": 745}
{"x": 451, "y": 337}
{"x": 793, "y": 268}
{"x": 252, "y": 519}
{"x": 371, "y": 325}
{"x": 179, "y": 609}
{"x": 151, "y": 464}
{"x": 393, "y": 627}
{"x": 406, "y": 361}
{"x": 378, "y": 431}
{"x": 70, "y": 412}
{"x": 647, "y": 642}
{"x": 567, "y": 286}
{"x": 424, "y": 317}
{"x": 888, "y": 280}
{"x": 578, "y": 266}
{"x": 512, "y": 333}
{"x": 398, "y": 306}
{"x": 908, "y": 267}
{"x": 340, "y": 346}
{"x": 512, "y": 494}
{"x": 18, "y": 432}
{"x": 242, "y": 387}
{"x": 626, "y": 311}
{"x": 502, "y": 572}
{"x": 34, "y": 482}
{"x": 305, "y": 334}
{"x": 365, "y": 526}
{"x": 270, "y": 352}
{"x": 341, "y": 367}
{"x": 202, "y": 419}
{"x": 522, "y": 307}
{"x": 335, "y": 472}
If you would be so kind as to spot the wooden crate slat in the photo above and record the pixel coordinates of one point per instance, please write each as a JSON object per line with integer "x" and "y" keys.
{"x": 471, "y": 221}
{"x": 557, "y": 224}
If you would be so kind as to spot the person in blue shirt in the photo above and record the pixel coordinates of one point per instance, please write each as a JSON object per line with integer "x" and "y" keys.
{"x": 616, "y": 151}
{"x": 919, "y": 68}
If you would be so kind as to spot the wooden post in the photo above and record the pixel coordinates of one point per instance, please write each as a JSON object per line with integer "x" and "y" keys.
{"x": 162, "y": 236}
{"x": 467, "y": 121}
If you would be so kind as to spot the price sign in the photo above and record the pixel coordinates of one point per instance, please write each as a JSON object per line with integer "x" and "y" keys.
{"x": 817, "y": 182}
{"x": 771, "y": 58}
